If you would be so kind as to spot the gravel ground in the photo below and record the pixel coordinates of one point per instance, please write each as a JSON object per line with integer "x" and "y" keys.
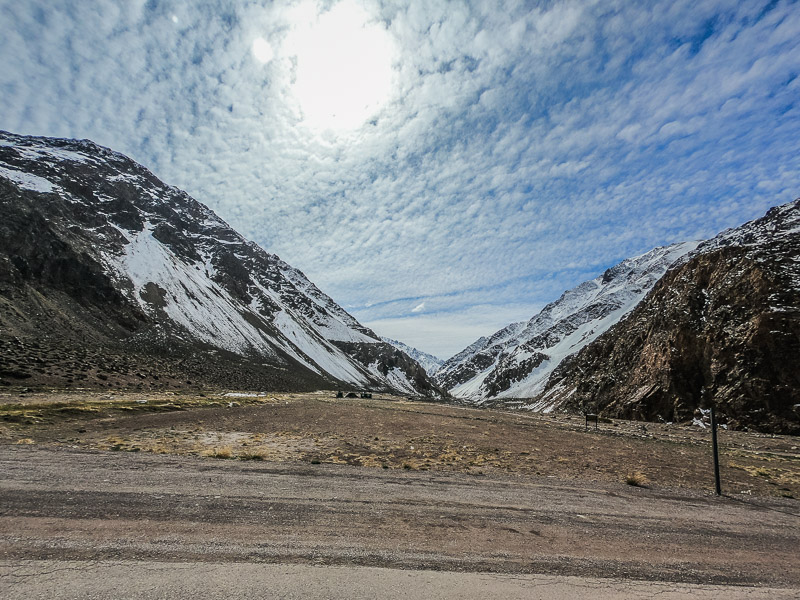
{"x": 392, "y": 433}
{"x": 214, "y": 581}
{"x": 72, "y": 505}
{"x": 124, "y": 495}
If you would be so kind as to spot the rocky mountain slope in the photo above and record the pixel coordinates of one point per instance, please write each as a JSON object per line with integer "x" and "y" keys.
{"x": 429, "y": 362}
{"x": 516, "y": 361}
{"x": 722, "y": 326}
{"x": 109, "y": 276}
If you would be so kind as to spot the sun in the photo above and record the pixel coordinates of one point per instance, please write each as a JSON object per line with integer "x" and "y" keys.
{"x": 342, "y": 66}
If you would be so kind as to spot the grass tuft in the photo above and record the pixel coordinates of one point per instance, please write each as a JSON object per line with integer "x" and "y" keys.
{"x": 223, "y": 452}
{"x": 252, "y": 456}
{"x": 636, "y": 479}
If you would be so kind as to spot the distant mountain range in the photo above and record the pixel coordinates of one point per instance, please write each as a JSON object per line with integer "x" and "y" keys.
{"x": 110, "y": 277}
{"x": 659, "y": 336}
{"x": 516, "y": 361}
{"x": 429, "y": 362}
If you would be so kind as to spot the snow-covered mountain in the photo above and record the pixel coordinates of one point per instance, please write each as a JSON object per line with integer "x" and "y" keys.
{"x": 516, "y": 361}
{"x": 429, "y": 362}
{"x": 661, "y": 335}
{"x": 722, "y": 326}
{"x": 127, "y": 263}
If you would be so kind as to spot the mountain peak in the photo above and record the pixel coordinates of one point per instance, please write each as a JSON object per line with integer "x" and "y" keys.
{"x": 183, "y": 283}
{"x": 516, "y": 361}
{"x": 429, "y": 362}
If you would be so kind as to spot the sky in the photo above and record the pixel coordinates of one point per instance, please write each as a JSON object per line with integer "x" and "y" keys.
{"x": 440, "y": 169}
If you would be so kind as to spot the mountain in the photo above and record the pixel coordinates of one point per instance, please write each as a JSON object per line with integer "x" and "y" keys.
{"x": 516, "y": 361}
{"x": 110, "y": 277}
{"x": 429, "y": 362}
{"x": 721, "y": 326}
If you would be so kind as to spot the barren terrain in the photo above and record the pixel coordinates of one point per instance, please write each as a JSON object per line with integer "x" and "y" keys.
{"x": 394, "y": 433}
{"x": 100, "y": 481}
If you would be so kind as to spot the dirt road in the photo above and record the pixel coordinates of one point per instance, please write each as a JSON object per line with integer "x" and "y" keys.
{"x": 76, "y": 505}
{"x": 112, "y": 580}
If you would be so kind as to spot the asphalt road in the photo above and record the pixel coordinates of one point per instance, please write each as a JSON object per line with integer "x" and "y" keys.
{"x": 84, "y": 524}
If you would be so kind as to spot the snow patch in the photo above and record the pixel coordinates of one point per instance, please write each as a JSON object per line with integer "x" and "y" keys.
{"x": 191, "y": 299}
{"x": 326, "y": 356}
{"x": 28, "y": 181}
{"x": 563, "y": 327}
{"x": 395, "y": 377}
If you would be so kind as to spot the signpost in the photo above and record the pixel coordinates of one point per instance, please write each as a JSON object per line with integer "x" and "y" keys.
{"x": 590, "y": 417}
{"x": 717, "y": 486}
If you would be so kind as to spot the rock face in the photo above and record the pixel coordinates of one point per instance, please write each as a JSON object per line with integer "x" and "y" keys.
{"x": 723, "y": 326}
{"x": 516, "y": 361}
{"x": 110, "y": 277}
{"x": 429, "y": 362}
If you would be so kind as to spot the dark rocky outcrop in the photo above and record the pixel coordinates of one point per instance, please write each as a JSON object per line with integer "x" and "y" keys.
{"x": 429, "y": 362}
{"x": 723, "y": 327}
{"x": 394, "y": 365}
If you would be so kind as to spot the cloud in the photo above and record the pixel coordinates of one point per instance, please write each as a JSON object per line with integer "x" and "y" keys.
{"x": 521, "y": 149}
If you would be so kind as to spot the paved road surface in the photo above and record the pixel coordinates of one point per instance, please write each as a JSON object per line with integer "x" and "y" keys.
{"x": 191, "y": 524}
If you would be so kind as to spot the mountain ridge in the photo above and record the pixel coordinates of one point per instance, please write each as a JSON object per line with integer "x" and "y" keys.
{"x": 516, "y": 360}
{"x": 182, "y": 281}
{"x": 427, "y": 361}
{"x": 721, "y": 324}
{"x": 722, "y": 327}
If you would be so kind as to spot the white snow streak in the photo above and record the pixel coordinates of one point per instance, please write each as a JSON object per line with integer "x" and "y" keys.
{"x": 192, "y": 300}
{"x": 28, "y": 181}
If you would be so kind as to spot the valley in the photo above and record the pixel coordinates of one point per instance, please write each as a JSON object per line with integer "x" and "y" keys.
{"x": 361, "y": 492}
{"x": 397, "y": 433}
{"x": 132, "y": 318}
{"x": 112, "y": 279}
{"x": 351, "y": 299}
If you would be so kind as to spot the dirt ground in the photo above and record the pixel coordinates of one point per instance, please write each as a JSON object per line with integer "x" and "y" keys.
{"x": 74, "y": 510}
{"x": 92, "y": 480}
{"x": 388, "y": 432}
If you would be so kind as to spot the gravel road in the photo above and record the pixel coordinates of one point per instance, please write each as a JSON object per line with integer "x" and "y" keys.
{"x": 110, "y": 580}
{"x": 136, "y": 512}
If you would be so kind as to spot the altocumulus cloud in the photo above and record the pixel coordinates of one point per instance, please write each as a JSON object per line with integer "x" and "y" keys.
{"x": 521, "y": 148}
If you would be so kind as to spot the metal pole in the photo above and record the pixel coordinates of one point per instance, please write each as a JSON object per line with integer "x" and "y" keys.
{"x": 717, "y": 486}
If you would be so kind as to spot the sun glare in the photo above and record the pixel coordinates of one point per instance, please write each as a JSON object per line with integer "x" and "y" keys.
{"x": 343, "y": 69}
{"x": 262, "y": 50}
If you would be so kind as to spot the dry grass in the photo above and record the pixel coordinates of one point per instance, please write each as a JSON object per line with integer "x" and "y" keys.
{"x": 115, "y": 443}
{"x": 223, "y": 452}
{"x": 391, "y": 434}
{"x": 771, "y": 472}
{"x": 256, "y": 455}
{"x": 636, "y": 479}
{"x": 41, "y": 408}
